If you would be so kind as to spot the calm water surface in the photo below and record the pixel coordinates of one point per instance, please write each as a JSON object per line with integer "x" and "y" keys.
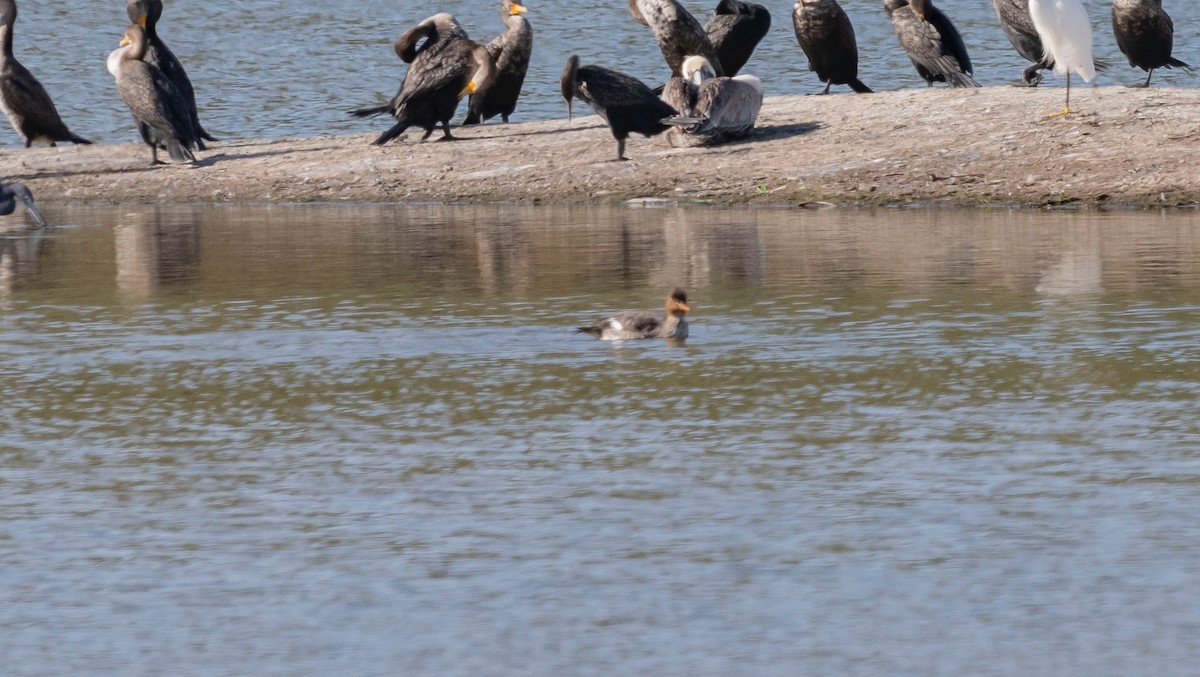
{"x": 264, "y": 68}
{"x": 364, "y": 440}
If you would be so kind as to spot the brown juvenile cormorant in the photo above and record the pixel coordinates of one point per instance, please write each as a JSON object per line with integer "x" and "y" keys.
{"x": 625, "y": 103}
{"x": 827, "y": 38}
{"x": 735, "y": 30}
{"x": 678, "y": 33}
{"x": 446, "y": 66}
{"x": 510, "y": 51}
{"x": 10, "y": 193}
{"x": 931, "y": 41}
{"x": 722, "y": 109}
{"x": 158, "y": 107}
{"x": 1018, "y": 26}
{"x": 1145, "y": 35}
{"x": 22, "y": 97}
{"x": 641, "y": 324}
{"x": 146, "y": 13}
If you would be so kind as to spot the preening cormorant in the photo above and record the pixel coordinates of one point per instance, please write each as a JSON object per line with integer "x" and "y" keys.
{"x": 1066, "y": 33}
{"x": 678, "y": 33}
{"x": 827, "y": 38}
{"x": 158, "y": 107}
{"x": 10, "y": 193}
{"x": 640, "y": 324}
{"x": 510, "y": 52}
{"x": 1145, "y": 35}
{"x": 718, "y": 109}
{"x": 735, "y": 30}
{"x": 445, "y": 66}
{"x": 625, "y": 103}
{"x": 146, "y": 13}
{"x": 931, "y": 41}
{"x": 1018, "y": 26}
{"x": 22, "y": 97}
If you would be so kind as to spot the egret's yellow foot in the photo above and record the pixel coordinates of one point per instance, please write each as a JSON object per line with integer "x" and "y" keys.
{"x": 1062, "y": 113}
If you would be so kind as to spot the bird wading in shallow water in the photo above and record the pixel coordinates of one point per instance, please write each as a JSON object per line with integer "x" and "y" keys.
{"x": 640, "y": 324}
{"x": 22, "y": 97}
{"x": 714, "y": 109}
{"x": 146, "y": 13}
{"x": 1145, "y": 34}
{"x": 827, "y": 37}
{"x": 1066, "y": 34}
{"x": 625, "y": 103}
{"x": 678, "y": 33}
{"x": 931, "y": 42}
{"x": 159, "y": 109}
{"x": 510, "y": 51}
{"x": 1018, "y": 27}
{"x": 10, "y": 193}
{"x": 735, "y": 30}
{"x": 445, "y": 67}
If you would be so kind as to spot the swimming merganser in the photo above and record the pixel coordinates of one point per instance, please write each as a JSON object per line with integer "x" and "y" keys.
{"x": 640, "y": 324}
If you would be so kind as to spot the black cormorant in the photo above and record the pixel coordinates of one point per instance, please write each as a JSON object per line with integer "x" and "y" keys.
{"x": 931, "y": 41}
{"x": 22, "y": 97}
{"x": 735, "y": 30}
{"x": 1018, "y": 26}
{"x": 510, "y": 52}
{"x": 146, "y": 13}
{"x": 624, "y": 102}
{"x": 678, "y": 33}
{"x": 1145, "y": 35}
{"x": 446, "y": 66}
{"x": 719, "y": 109}
{"x": 827, "y": 38}
{"x": 10, "y": 193}
{"x": 159, "y": 108}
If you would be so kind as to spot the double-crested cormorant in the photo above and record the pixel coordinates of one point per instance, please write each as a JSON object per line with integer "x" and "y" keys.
{"x": 1018, "y": 26}
{"x": 678, "y": 33}
{"x": 10, "y": 193}
{"x": 827, "y": 38}
{"x": 22, "y": 97}
{"x": 1066, "y": 33}
{"x": 735, "y": 30}
{"x": 625, "y": 103}
{"x": 158, "y": 107}
{"x": 146, "y": 13}
{"x": 1145, "y": 35}
{"x": 931, "y": 41}
{"x": 510, "y": 52}
{"x": 445, "y": 67}
{"x": 713, "y": 109}
{"x": 641, "y": 324}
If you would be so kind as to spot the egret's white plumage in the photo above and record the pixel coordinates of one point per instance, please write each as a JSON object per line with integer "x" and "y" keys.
{"x": 1066, "y": 34}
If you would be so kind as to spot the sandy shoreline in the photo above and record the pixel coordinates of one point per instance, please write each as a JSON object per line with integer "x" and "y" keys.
{"x": 989, "y": 146}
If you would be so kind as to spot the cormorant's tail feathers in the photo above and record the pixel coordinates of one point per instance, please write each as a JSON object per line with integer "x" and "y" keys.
{"x": 1176, "y": 63}
{"x": 396, "y": 130}
{"x": 961, "y": 80}
{"x": 594, "y": 331}
{"x": 369, "y": 112}
{"x": 180, "y": 152}
{"x": 75, "y": 138}
{"x": 858, "y": 86}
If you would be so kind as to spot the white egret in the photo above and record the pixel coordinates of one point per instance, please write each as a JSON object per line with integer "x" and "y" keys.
{"x": 1066, "y": 34}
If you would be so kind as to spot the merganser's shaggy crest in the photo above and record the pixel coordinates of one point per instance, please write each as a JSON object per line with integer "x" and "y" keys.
{"x": 640, "y": 324}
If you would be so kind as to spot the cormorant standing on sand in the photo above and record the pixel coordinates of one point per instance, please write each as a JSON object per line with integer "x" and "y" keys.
{"x": 827, "y": 38}
{"x": 625, "y": 103}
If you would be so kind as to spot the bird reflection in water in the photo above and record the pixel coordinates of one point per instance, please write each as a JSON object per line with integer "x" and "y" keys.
{"x": 153, "y": 249}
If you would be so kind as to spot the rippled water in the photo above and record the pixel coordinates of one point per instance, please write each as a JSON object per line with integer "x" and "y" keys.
{"x": 364, "y": 440}
{"x": 272, "y": 69}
